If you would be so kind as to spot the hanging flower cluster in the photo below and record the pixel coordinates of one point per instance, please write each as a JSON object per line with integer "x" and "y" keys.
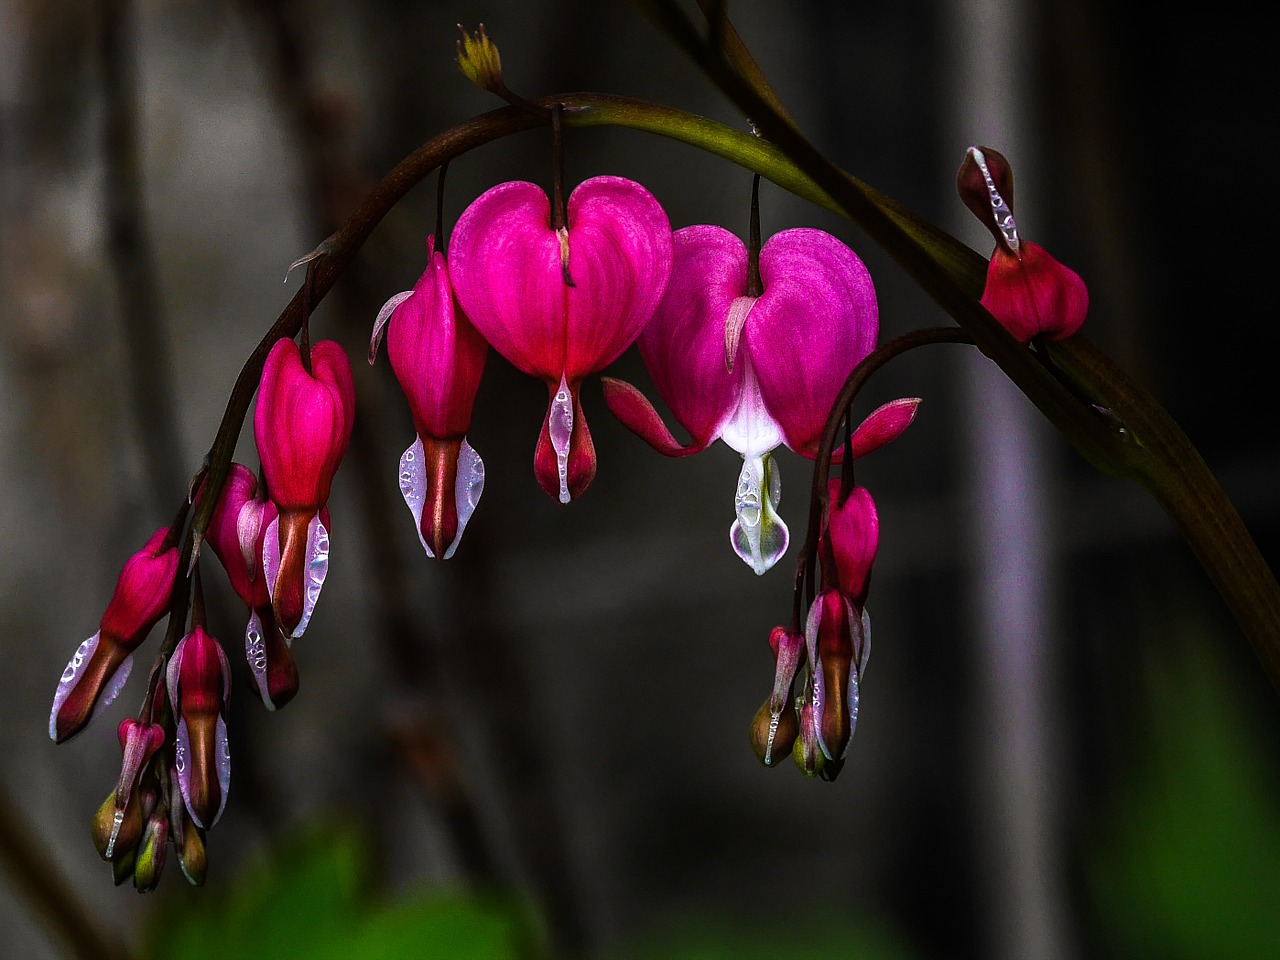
{"x": 750, "y": 344}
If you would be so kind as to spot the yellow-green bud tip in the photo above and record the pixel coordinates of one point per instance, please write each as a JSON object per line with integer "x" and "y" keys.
{"x": 479, "y": 61}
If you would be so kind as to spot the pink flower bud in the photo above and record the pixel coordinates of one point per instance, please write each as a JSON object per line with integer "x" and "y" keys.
{"x": 100, "y": 666}
{"x": 438, "y": 358}
{"x": 853, "y": 537}
{"x": 1027, "y": 290}
{"x": 199, "y": 684}
{"x": 302, "y": 423}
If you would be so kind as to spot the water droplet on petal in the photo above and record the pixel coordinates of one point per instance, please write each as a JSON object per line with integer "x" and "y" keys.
{"x": 560, "y": 428}
{"x": 117, "y": 821}
{"x": 413, "y": 487}
{"x": 255, "y": 653}
{"x": 67, "y": 682}
{"x": 467, "y": 489}
{"x": 223, "y": 762}
{"x": 316, "y": 571}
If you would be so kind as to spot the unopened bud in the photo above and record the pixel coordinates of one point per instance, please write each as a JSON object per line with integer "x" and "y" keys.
{"x": 116, "y": 830}
{"x": 479, "y": 61}
{"x": 149, "y": 862}
{"x": 772, "y": 734}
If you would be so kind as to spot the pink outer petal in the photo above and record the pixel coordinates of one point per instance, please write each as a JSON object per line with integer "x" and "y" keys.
{"x": 815, "y": 321}
{"x": 142, "y": 593}
{"x": 636, "y": 413}
{"x": 437, "y": 355}
{"x": 302, "y": 422}
{"x": 620, "y": 253}
{"x": 1034, "y": 294}
{"x": 683, "y": 347}
{"x": 853, "y": 529}
{"x": 224, "y": 529}
{"x": 504, "y": 262}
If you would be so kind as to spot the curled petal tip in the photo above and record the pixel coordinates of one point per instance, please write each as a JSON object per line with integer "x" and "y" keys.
{"x": 634, "y": 411}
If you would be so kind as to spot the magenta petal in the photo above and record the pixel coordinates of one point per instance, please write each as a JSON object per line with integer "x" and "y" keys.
{"x": 437, "y": 355}
{"x": 816, "y": 320}
{"x": 883, "y": 424}
{"x": 224, "y": 533}
{"x": 1032, "y": 293}
{"x": 683, "y": 347}
{"x": 504, "y": 263}
{"x": 636, "y": 413}
{"x": 620, "y": 252}
{"x": 302, "y": 421}
{"x": 853, "y": 529}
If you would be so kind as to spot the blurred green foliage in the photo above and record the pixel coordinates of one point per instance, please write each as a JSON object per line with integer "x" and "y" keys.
{"x": 1188, "y": 861}
{"x": 313, "y": 900}
{"x": 827, "y": 935}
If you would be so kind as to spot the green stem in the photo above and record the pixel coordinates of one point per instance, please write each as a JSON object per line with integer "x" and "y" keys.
{"x": 1164, "y": 461}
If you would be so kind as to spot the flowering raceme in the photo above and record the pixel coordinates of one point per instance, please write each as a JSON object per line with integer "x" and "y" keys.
{"x": 756, "y": 370}
{"x": 438, "y": 358}
{"x": 98, "y": 670}
{"x": 1027, "y": 290}
{"x": 561, "y": 302}
{"x": 302, "y": 424}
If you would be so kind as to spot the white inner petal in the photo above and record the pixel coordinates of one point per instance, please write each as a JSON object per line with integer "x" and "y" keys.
{"x": 751, "y": 430}
{"x": 758, "y": 535}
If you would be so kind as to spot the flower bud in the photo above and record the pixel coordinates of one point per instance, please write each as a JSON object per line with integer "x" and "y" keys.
{"x": 98, "y": 670}
{"x": 199, "y": 683}
{"x": 150, "y": 855}
{"x": 116, "y": 830}
{"x": 1027, "y": 290}
{"x": 188, "y": 840}
{"x": 479, "y": 61}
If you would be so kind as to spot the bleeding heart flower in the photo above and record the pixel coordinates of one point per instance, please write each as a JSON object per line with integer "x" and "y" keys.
{"x": 438, "y": 357}
{"x": 236, "y": 534}
{"x": 561, "y": 303}
{"x": 302, "y": 424}
{"x": 199, "y": 685}
{"x": 757, "y": 371}
{"x": 100, "y": 666}
{"x": 1027, "y": 290}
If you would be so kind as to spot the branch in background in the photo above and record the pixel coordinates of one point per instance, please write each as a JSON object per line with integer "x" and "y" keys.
{"x": 49, "y": 893}
{"x": 130, "y": 252}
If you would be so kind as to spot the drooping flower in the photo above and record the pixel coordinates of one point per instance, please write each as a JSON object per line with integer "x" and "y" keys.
{"x": 438, "y": 358}
{"x": 199, "y": 684}
{"x": 1027, "y": 290}
{"x": 302, "y": 424}
{"x": 562, "y": 303}
{"x": 838, "y": 630}
{"x": 237, "y": 531}
{"x": 757, "y": 371}
{"x": 100, "y": 666}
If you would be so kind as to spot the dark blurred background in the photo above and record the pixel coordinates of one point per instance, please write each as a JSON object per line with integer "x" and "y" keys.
{"x": 1066, "y": 748}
